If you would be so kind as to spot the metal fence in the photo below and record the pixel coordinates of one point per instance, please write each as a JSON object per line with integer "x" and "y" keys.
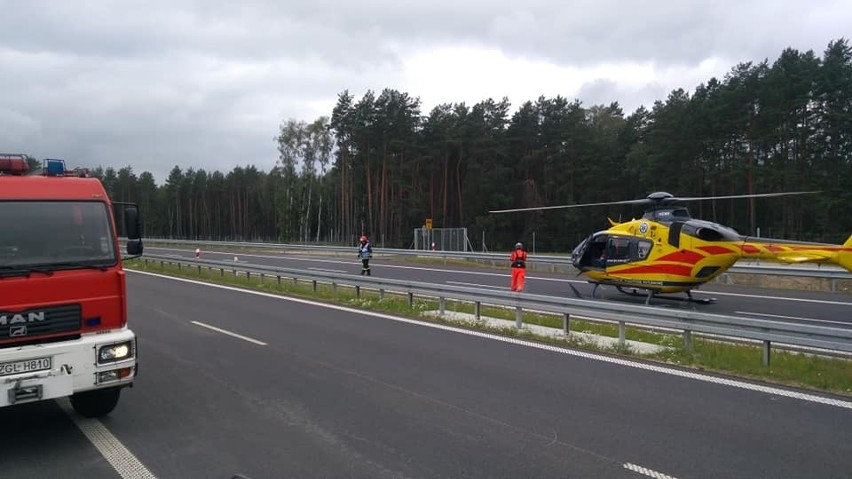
{"x": 441, "y": 239}
{"x": 789, "y": 333}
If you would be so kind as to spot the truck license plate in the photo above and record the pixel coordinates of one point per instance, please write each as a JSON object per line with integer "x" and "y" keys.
{"x": 25, "y": 366}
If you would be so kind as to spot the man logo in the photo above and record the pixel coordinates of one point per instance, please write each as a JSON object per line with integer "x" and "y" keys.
{"x": 18, "y": 331}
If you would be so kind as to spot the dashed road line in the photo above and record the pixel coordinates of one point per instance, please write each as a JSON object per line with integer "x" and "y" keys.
{"x": 229, "y": 333}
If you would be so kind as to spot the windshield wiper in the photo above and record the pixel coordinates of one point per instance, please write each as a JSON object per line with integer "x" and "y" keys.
{"x": 7, "y": 271}
{"x": 76, "y": 264}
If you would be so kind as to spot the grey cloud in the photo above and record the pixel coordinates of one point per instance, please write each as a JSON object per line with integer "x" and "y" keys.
{"x": 205, "y": 84}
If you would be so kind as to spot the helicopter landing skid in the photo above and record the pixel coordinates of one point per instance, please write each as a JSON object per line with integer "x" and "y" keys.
{"x": 650, "y": 293}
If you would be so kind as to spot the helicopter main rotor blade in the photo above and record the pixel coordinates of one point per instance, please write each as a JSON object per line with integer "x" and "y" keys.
{"x": 643, "y": 201}
{"x": 664, "y": 200}
{"x": 731, "y": 197}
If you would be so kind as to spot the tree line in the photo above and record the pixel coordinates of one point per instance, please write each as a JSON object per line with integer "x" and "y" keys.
{"x": 379, "y": 166}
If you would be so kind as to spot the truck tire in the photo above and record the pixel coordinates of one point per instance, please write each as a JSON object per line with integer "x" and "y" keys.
{"x": 95, "y": 403}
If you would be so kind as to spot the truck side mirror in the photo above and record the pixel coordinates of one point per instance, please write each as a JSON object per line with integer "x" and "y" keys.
{"x": 132, "y": 223}
{"x": 134, "y": 230}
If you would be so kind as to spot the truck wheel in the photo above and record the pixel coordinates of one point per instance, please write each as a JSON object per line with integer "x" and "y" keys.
{"x": 95, "y": 403}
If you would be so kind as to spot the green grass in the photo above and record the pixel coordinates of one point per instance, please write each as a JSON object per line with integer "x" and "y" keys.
{"x": 743, "y": 360}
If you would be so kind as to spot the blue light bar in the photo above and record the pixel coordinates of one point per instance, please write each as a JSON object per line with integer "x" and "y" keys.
{"x": 54, "y": 167}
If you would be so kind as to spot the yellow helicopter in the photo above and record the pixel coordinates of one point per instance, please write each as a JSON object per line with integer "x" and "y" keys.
{"x": 668, "y": 251}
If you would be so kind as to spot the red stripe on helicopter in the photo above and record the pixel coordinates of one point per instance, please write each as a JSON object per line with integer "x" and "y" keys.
{"x": 750, "y": 249}
{"x": 658, "y": 268}
{"x": 682, "y": 256}
{"x": 714, "y": 250}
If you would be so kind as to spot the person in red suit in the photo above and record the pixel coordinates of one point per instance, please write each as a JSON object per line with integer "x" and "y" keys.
{"x": 519, "y": 264}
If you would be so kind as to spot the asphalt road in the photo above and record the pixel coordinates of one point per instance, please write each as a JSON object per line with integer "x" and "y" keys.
{"x": 811, "y": 307}
{"x": 312, "y": 391}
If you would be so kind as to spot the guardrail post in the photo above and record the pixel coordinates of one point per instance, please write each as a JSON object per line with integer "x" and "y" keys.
{"x": 381, "y": 294}
{"x": 442, "y": 305}
{"x": 261, "y": 277}
{"x": 278, "y": 278}
{"x": 296, "y": 282}
{"x": 477, "y": 310}
{"x": 334, "y": 288}
{"x": 315, "y": 285}
{"x": 410, "y": 300}
{"x": 565, "y": 325}
{"x": 178, "y": 265}
{"x": 519, "y": 317}
{"x": 199, "y": 270}
{"x": 622, "y": 333}
{"x": 248, "y": 276}
{"x": 833, "y": 283}
{"x": 162, "y": 264}
{"x": 767, "y": 348}
{"x": 357, "y": 291}
{"x": 235, "y": 273}
{"x": 687, "y": 340}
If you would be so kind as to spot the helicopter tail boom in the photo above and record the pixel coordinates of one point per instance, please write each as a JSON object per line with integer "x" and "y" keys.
{"x": 790, "y": 252}
{"x": 844, "y": 256}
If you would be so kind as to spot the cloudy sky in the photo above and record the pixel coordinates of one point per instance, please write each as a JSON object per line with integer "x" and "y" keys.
{"x": 205, "y": 84}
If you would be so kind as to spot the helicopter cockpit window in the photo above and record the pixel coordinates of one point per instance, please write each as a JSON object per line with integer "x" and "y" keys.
{"x": 618, "y": 250}
{"x": 644, "y": 247}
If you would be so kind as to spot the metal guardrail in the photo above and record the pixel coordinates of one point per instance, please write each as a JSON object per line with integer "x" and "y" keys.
{"x": 688, "y": 322}
{"x": 561, "y": 263}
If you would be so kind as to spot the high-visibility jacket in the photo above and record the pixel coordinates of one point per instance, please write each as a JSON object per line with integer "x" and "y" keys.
{"x": 518, "y": 258}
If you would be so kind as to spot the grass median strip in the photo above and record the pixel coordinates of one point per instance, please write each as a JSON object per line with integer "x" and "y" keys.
{"x": 743, "y": 360}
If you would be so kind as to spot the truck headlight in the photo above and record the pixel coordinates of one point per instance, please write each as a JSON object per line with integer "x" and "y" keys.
{"x": 115, "y": 352}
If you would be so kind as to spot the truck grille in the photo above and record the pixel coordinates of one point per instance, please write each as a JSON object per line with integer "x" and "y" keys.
{"x": 35, "y": 322}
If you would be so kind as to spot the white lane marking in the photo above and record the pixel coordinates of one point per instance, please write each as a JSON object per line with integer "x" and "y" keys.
{"x": 223, "y": 331}
{"x": 329, "y": 270}
{"x": 798, "y": 318}
{"x": 778, "y": 298}
{"x": 119, "y": 457}
{"x": 647, "y": 472}
{"x": 775, "y": 391}
{"x": 476, "y": 284}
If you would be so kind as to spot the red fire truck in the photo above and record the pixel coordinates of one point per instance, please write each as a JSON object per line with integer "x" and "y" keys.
{"x": 63, "y": 305}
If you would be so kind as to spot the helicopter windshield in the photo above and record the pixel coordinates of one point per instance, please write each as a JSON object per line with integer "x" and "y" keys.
{"x": 602, "y": 250}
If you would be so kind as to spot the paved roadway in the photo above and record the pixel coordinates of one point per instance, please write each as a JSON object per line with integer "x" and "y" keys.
{"x": 811, "y": 307}
{"x": 313, "y": 391}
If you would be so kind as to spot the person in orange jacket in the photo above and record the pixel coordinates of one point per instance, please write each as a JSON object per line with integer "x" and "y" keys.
{"x": 519, "y": 264}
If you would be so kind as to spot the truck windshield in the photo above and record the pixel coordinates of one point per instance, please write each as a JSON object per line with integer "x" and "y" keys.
{"x": 55, "y": 234}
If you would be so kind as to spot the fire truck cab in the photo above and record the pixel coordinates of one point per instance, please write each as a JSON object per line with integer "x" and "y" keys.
{"x": 63, "y": 303}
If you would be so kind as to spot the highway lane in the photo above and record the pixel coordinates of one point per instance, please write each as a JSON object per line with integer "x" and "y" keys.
{"x": 325, "y": 392}
{"x": 811, "y": 307}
